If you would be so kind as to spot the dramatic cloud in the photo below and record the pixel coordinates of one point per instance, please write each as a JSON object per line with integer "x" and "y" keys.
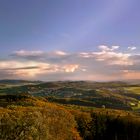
{"x": 108, "y": 63}
{"x": 29, "y": 69}
{"x": 109, "y": 56}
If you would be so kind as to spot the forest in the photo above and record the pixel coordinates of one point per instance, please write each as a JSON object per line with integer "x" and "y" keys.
{"x": 35, "y": 116}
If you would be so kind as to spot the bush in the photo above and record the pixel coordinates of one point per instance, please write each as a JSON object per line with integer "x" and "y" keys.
{"x": 37, "y": 123}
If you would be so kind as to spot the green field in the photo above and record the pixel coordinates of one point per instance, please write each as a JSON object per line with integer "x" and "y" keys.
{"x": 133, "y": 89}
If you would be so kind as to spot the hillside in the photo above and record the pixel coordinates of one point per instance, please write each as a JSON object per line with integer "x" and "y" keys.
{"x": 117, "y": 95}
{"x": 26, "y": 117}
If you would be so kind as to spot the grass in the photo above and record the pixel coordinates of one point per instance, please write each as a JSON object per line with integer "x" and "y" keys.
{"x": 136, "y": 107}
{"x": 133, "y": 89}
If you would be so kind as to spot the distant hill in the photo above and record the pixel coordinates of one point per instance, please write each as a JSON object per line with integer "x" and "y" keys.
{"x": 117, "y": 95}
{"x": 133, "y": 81}
{"x": 12, "y": 81}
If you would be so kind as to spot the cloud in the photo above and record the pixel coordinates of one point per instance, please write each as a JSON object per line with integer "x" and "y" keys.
{"x": 109, "y": 56}
{"x": 106, "y": 48}
{"x": 70, "y": 68}
{"x": 113, "y": 58}
{"x": 29, "y": 69}
{"x": 40, "y": 56}
{"x": 28, "y": 55}
{"x": 108, "y": 63}
{"x": 24, "y": 53}
{"x": 22, "y": 68}
{"x": 132, "y": 48}
{"x": 61, "y": 53}
{"x": 115, "y": 47}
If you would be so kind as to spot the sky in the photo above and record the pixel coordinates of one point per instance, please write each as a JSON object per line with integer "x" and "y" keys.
{"x": 54, "y": 40}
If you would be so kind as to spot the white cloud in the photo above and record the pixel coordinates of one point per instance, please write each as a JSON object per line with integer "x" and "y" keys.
{"x": 24, "y": 53}
{"x": 84, "y": 70}
{"x": 106, "y": 48}
{"x": 61, "y": 53}
{"x": 114, "y": 58}
{"x": 85, "y": 54}
{"x": 109, "y": 56}
{"x": 115, "y": 47}
{"x": 70, "y": 67}
{"x": 132, "y": 48}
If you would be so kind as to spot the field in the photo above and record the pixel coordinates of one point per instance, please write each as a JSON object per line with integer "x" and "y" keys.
{"x": 133, "y": 89}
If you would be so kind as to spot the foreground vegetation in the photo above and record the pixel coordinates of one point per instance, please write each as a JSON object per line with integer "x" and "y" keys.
{"x": 31, "y": 118}
{"x": 36, "y": 120}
